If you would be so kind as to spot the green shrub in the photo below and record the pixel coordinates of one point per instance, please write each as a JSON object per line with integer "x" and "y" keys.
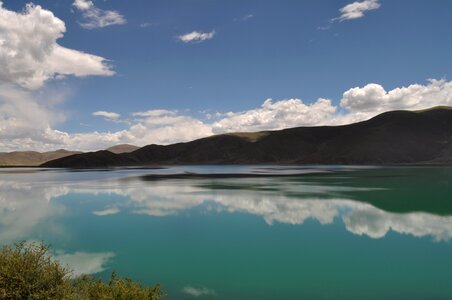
{"x": 27, "y": 271}
{"x": 88, "y": 287}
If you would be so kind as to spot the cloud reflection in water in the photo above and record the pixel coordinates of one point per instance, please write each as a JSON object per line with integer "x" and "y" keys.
{"x": 23, "y": 206}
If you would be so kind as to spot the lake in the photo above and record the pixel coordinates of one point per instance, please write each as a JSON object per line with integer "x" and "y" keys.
{"x": 244, "y": 232}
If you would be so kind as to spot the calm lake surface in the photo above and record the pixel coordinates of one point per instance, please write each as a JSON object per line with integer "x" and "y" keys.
{"x": 311, "y": 233}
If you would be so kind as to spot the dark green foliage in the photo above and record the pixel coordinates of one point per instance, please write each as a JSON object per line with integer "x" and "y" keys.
{"x": 88, "y": 287}
{"x": 27, "y": 271}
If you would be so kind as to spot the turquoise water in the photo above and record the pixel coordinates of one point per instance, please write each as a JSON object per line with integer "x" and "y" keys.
{"x": 311, "y": 233}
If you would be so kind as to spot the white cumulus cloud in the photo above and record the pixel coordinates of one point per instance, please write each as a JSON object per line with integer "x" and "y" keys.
{"x": 29, "y": 125}
{"x": 29, "y": 57}
{"x": 21, "y": 116}
{"x": 97, "y": 18}
{"x": 30, "y": 54}
{"x": 357, "y": 9}
{"x": 373, "y": 98}
{"x": 155, "y": 113}
{"x": 276, "y": 115}
{"x": 107, "y": 114}
{"x": 165, "y": 127}
{"x": 196, "y": 36}
{"x": 83, "y": 4}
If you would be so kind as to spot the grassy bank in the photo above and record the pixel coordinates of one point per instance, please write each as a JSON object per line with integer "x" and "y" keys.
{"x": 28, "y": 271}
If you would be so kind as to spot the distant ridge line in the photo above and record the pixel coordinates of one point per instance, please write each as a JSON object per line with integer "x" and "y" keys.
{"x": 396, "y": 137}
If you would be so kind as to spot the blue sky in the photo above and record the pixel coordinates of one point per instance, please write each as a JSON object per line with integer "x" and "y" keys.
{"x": 256, "y": 50}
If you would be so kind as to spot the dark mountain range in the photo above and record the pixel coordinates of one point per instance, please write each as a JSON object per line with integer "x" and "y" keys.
{"x": 397, "y": 137}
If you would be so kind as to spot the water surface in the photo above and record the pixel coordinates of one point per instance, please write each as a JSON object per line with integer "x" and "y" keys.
{"x": 321, "y": 232}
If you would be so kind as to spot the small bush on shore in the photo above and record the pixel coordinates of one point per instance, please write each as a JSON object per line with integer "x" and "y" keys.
{"x": 27, "y": 271}
{"x": 88, "y": 287}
